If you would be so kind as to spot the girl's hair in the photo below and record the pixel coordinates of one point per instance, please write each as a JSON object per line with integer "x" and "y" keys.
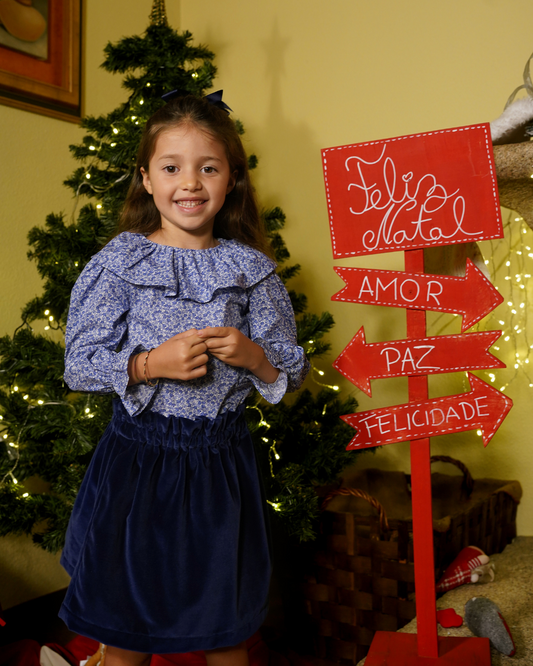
{"x": 239, "y": 216}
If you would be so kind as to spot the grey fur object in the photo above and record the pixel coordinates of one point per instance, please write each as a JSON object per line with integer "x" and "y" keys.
{"x": 485, "y": 620}
{"x": 512, "y": 125}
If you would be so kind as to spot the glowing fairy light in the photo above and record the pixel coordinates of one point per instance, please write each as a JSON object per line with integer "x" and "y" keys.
{"x": 509, "y": 261}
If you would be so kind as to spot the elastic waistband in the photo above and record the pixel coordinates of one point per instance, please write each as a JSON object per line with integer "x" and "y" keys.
{"x": 178, "y": 431}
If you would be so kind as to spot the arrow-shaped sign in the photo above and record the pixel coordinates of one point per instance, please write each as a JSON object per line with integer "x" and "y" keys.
{"x": 472, "y": 296}
{"x": 483, "y": 407}
{"x": 360, "y": 362}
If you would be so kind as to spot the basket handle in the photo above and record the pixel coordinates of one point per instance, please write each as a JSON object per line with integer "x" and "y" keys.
{"x": 468, "y": 481}
{"x": 357, "y": 492}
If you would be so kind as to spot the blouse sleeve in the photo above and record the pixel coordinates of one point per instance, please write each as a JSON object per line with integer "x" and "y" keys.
{"x": 272, "y": 326}
{"x": 97, "y": 346}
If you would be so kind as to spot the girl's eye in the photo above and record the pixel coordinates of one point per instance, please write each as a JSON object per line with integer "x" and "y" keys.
{"x": 171, "y": 169}
{"x": 209, "y": 169}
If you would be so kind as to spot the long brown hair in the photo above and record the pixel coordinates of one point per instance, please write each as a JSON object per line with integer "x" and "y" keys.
{"x": 239, "y": 216}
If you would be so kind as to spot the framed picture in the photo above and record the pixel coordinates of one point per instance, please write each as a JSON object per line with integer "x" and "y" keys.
{"x": 40, "y": 56}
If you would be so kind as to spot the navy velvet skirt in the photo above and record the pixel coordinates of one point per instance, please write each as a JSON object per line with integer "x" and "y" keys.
{"x": 167, "y": 546}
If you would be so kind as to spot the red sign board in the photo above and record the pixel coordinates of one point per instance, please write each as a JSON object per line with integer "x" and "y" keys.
{"x": 360, "y": 362}
{"x": 473, "y": 296}
{"x": 483, "y": 407}
{"x": 436, "y": 188}
{"x": 410, "y": 193}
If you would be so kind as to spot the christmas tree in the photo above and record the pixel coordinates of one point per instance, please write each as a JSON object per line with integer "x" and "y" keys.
{"x": 49, "y": 432}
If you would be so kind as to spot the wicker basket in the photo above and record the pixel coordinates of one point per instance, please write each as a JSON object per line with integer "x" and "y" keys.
{"x": 363, "y": 573}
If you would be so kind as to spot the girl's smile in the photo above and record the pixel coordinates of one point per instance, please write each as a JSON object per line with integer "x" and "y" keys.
{"x": 189, "y": 178}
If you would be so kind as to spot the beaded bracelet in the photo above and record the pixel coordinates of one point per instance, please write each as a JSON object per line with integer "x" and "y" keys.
{"x": 145, "y": 374}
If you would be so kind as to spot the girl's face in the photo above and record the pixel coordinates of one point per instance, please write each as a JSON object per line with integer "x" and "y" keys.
{"x": 189, "y": 177}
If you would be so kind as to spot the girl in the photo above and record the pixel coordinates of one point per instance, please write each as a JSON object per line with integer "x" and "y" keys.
{"x": 181, "y": 315}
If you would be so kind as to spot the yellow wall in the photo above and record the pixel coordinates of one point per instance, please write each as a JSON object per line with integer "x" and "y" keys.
{"x": 310, "y": 75}
{"x": 34, "y": 161}
{"x": 301, "y": 75}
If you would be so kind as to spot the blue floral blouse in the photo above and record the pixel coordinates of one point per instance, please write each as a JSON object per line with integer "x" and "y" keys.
{"x": 135, "y": 294}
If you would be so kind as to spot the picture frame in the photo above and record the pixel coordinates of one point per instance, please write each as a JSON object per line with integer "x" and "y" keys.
{"x": 40, "y": 57}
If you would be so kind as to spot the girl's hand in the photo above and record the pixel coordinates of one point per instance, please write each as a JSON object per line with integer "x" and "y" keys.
{"x": 231, "y": 346}
{"x": 181, "y": 357}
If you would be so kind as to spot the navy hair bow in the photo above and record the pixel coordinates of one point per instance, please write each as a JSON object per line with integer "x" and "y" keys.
{"x": 214, "y": 98}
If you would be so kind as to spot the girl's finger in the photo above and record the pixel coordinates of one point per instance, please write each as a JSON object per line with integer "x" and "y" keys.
{"x": 213, "y": 332}
{"x": 186, "y": 334}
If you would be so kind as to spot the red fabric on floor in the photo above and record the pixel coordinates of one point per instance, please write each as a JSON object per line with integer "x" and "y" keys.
{"x": 20, "y": 653}
{"x": 259, "y": 654}
{"x": 257, "y": 650}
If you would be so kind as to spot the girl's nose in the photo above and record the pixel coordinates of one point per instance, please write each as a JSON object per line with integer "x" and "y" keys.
{"x": 189, "y": 180}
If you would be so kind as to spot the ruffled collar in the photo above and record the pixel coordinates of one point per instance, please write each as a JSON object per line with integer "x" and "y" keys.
{"x": 189, "y": 274}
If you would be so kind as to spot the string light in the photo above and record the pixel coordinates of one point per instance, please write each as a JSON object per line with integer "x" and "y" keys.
{"x": 272, "y": 453}
{"x": 509, "y": 263}
{"x": 321, "y": 373}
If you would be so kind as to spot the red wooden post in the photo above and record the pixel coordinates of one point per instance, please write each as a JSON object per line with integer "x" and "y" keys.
{"x": 426, "y": 610}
